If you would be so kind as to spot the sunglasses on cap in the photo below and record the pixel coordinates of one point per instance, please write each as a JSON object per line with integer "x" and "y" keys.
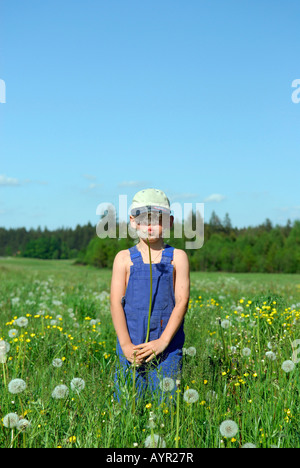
{"x": 148, "y": 218}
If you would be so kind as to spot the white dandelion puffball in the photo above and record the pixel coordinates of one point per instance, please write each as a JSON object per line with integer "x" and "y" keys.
{"x": 225, "y": 324}
{"x": 154, "y": 441}
{"x": 60, "y": 392}
{"x": 191, "y": 395}
{"x": 16, "y": 386}
{"x": 191, "y": 351}
{"x": 288, "y": 366}
{"x": 228, "y": 428}
{"x": 10, "y": 420}
{"x": 13, "y": 333}
{"x": 22, "y": 322}
{"x": 77, "y": 384}
{"x": 23, "y": 425}
{"x": 2, "y": 347}
{"x": 246, "y": 352}
{"x": 271, "y": 355}
{"x": 57, "y": 362}
{"x": 167, "y": 384}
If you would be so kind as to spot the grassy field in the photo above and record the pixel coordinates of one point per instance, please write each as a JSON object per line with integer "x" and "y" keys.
{"x": 240, "y": 380}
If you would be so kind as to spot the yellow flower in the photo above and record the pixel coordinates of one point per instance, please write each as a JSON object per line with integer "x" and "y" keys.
{"x": 149, "y": 405}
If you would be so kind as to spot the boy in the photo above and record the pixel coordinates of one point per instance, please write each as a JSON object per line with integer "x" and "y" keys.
{"x": 130, "y": 291}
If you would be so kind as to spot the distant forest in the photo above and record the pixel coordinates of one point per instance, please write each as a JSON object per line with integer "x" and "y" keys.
{"x": 264, "y": 248}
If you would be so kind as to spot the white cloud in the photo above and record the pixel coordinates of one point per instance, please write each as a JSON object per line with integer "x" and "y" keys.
{"x": 8, "y": 181}
{"x": 214, "y": 197}
{"x": 13, "y": 181}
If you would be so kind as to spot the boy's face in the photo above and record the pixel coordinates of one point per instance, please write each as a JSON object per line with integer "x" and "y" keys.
{"x": 151, "y": 225}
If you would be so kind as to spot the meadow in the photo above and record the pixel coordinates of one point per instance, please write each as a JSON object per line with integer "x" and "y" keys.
{"x": 240, "y": 381}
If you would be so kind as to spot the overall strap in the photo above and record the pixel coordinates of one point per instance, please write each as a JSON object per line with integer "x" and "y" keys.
{"x": 135, "y": 255}
{"x": 167, "y": 255}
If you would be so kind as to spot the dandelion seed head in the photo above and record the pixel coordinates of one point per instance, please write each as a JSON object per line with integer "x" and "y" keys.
{"x": 16, "y": 386}
{"x": 22, "y": 322}
{"x": 77, "y": 384}
{"x": 225, "y": 324}
{"x": 191, "y": 351}
{"x": 288, "y": 366}
{"x": 246, "y": 352}
{"x": 60, "y": 392}
{"x": 167, "y": 384}
{"x": 57, "y": 362}
{"x": 271, "y": 355}
{"x": 10, "y": 420}
{"x": 228, "y": 428}
{"x": 23, "y": 425}
{"x": 191, "y": 395}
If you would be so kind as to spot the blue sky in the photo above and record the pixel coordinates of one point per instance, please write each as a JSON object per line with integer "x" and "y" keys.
{"x": 107, "y": 97}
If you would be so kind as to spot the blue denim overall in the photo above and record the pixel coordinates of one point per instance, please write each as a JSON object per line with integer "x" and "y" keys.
{"x": 136, "y": 309}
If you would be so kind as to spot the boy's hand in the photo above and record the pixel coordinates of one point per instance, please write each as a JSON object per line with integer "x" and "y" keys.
{"x": 131, "y": 354}
{"x": 150, "y": 350}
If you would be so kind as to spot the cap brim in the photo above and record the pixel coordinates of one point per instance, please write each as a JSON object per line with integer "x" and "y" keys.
{"x": 148, "y": 209}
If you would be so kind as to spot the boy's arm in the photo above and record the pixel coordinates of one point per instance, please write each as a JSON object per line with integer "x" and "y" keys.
{"x": 117, "y": 291}
{"x": 182, "y": 294}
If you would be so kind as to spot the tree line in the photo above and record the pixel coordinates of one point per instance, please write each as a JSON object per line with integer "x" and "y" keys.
{"x": 62, "y": 243}
{"x": 263, "y": 248}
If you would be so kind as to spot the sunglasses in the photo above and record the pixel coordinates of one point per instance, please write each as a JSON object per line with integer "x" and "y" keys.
{"x": 146, "y": 219}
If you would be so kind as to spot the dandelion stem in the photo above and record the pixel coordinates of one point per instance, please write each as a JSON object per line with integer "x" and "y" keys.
{"x": 224, "y": 344}
{"x": 150, "y": 299}
{"x": 177, "y": 418}
{"x": 12, "y": 438}
{"x": 133, "y": 382}
{"x": 4, "y": 374}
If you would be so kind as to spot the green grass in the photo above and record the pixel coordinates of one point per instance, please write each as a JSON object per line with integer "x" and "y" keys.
{"x": 263, "y": 311}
